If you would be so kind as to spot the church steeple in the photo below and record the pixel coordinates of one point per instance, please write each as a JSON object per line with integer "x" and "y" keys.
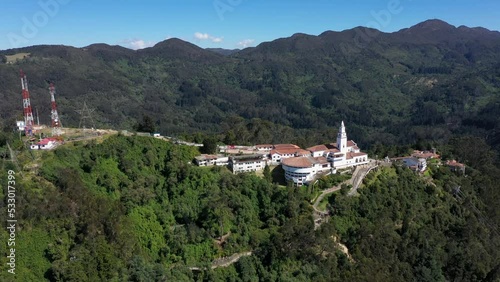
{"x": 342, "y": 138}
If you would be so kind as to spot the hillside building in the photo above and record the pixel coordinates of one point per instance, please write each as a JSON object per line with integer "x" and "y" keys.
{"x": 20, "y": 124}
{"x": 211, "y": 160}
{"x": 302, "y": 170}
{"x": 455, "y": 166}
{"x": 418, "y": 165}
{"x": 266, "y": 148}
{"x": 425, "y": 154}
{"x": 247, "y": 163}
{"x": 281, "y": 152}
{"x": 45, "y": 144}
{"x": 323, "y": 158}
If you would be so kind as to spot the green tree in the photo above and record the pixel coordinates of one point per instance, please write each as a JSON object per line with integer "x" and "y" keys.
{"x": 267, "y": 174}
{"x": 209, "y": 145}
{"x": 344, "y": 189}
{"x": 146, "y": 125}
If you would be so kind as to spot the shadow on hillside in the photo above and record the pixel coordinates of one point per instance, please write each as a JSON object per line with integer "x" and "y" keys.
{"x": 278, "y": 175}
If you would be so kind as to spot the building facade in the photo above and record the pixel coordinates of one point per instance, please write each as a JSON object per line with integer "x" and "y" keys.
{"x": 248, "y": 163}
{"x": 302, "y": 170}
{"x": 211, "y": 160}
{"x": 45, "y": 144}
{"x": 324, "y": 159}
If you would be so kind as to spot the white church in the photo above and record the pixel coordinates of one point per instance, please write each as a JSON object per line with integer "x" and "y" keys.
{"x": 324, "y": 159}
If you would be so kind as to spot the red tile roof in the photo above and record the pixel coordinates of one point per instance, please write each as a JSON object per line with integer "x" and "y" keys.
{"x": 303, "y": 162}
{"x": 318, "y": 148}
{"x": 352, "y": 155}
{"x": 332, "y": 146}
{"x": 286, "y": 146}
{"x": 297, "y": 162}
{"x": 454, "y": 163}
{"x": 351, "y": 143}
{"x": 321, "y": 160}
{"x": 46, "y": 141}
{"x": 302, "y": 152}
{"x": 286, "y": 151}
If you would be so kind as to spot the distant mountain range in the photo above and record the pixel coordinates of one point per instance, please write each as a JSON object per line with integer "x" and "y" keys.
{"x": 430, "y": 81}
{"x": 225, "y": 52}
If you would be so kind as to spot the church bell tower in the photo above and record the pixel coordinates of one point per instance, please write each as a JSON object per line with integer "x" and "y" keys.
{"x": 342, "y": 138}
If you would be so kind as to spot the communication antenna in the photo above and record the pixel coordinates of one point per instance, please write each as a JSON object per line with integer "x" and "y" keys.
{"x": 28, "y": 112}
{"x": 56, "y": 122}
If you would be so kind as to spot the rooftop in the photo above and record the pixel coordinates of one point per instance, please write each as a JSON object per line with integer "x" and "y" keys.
{"x": 317, "y": 148}
{"x": 454, "y": 163}
{"x": 302, "y": 152}
{"x": 283, "y": 151}
{"x": 46, "y": 141}
{"x": 206, "y": 157}
{"x": 264, "y": 146}
{"x": 351, "y": 155}
{"x": 302, "y": 162}
{"x": 286, "y": 146}
{"x": 247, "y": 158}
{"x": 425, "y": 154}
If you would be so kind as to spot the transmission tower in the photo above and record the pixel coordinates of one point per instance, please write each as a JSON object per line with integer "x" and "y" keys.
{"x": 28, "y": 113}
{"x": 86, "y": 117}
{"x": 56, "y": 122}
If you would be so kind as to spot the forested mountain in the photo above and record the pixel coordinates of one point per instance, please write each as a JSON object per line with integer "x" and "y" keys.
{"x": 135, "y": 209}
{"x": 428, "y": 82}
{"x": 130, "y": 208}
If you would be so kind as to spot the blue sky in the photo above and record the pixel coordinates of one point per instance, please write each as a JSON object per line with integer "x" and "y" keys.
{"x": 219, "y": 23}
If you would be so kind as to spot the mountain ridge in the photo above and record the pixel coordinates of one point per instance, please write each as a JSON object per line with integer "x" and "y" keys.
{"x": 303, "y": 82}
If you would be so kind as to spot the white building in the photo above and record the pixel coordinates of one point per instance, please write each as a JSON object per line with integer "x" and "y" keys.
{"x": 211, "y": 160}
{"x": 302, "y": 170}
{"x": 264, "y": 148}
{"x": 418, "y": 165}
{"x": 345, "y": 153}
{"x": 20, "y": 125}
{"x": 284, "y": 151}
{"x": 45, "y": 144}
{"x": 248, "y": 163}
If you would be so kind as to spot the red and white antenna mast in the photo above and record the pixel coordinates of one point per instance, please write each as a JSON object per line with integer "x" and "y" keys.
{"x": 28, "y": 113}
{"x": 56, "y": 122}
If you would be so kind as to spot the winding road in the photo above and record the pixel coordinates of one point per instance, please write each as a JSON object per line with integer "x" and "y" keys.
{"x": 357, "y": 178}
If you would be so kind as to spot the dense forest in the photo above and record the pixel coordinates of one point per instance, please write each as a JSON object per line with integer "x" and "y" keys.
{"x": 135, "y": 208}
{"x": 428, "y": 82}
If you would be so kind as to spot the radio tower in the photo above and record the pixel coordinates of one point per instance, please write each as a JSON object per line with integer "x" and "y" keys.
{"x": 56, "y": 122}
{"x": 28, "y": 113}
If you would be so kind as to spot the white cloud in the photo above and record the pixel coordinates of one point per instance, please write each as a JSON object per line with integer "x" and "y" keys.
{"x": 206, "y": 36}
{"x": 217, "y": 39}
{"x": 201, "y": 36}
{"x": 136, "y": 44}
{"x": 245, "y": 43}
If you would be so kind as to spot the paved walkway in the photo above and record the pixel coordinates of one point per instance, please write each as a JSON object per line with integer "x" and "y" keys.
{"x": 357, "y": 178}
